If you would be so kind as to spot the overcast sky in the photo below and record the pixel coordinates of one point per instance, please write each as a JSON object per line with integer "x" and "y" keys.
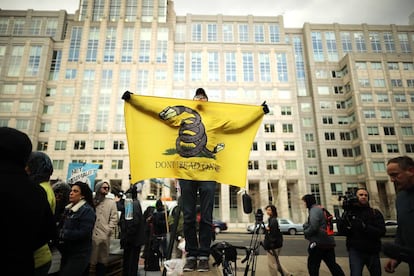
{"x": 295, "y": 12}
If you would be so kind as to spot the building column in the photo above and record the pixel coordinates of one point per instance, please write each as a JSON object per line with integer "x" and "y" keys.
{"x": 282, "y": 199}
{"x": 224, "y": 202}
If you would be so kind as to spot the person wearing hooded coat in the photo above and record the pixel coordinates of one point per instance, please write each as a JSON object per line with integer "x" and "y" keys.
{"x": 321, "y": 246}
{"x": 105, "y": 224}
{"x": 39, "y": 168}
{"x": 30, "y": 221}
{"x": 132, "y": 235}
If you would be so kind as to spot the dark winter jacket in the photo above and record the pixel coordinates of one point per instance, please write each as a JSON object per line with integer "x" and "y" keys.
{"x": 405, "y": 214}
{"x": 363, "y": 227}
{"x": 30, "y": 222}
{"x": 132, "y": 231}
{"x": 76, "y": 233}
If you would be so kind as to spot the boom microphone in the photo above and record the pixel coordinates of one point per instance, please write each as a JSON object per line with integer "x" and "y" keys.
{"x": 247, "y": 203}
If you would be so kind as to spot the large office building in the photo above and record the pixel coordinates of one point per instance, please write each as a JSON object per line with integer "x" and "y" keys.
{"x": 341, "y": 96}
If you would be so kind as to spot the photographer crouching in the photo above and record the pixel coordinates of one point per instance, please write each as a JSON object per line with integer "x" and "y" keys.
{"x": 363, "y": 227}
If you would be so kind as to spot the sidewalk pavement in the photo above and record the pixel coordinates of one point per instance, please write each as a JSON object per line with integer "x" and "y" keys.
{"x": 297, "y": 265}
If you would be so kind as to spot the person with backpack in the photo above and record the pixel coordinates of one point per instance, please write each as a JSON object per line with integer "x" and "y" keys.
{"x": 273, "y": 243}
{"x": 321, "y": 239}
{"x": 363, "y": 227}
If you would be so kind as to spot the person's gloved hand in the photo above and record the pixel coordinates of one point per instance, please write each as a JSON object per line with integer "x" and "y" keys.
{"x": 265, "y": 108}
{"x": 127, "y": 95}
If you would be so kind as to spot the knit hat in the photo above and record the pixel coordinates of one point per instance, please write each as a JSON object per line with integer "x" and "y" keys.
{"x": 200, "y": 93}
{"x": 98, "y": 196}
{"x": 99, "y": 185}
{"x": 15, "y": 146}
{"x": 40, "y": 166}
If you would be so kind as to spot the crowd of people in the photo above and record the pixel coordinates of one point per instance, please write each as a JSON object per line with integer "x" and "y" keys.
{"x": 75, "y": 224}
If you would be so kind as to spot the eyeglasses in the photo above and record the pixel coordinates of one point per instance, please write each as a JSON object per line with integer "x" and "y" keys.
{"x": 105, "y": 188}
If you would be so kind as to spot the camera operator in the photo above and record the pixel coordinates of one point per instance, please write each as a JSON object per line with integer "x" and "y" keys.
{"x": 363, "y": 227}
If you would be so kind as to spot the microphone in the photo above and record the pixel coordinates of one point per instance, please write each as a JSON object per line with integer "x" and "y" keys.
{"x": 247, "y": 203}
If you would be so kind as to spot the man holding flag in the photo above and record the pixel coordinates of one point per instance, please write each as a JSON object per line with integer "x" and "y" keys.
{"x": 207, "y": 150}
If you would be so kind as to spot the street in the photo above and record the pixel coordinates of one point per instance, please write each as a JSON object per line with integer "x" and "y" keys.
{"x": 292, "y": 245}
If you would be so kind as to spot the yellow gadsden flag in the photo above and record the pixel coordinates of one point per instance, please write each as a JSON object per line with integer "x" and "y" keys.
{"x": 176, "y": 138}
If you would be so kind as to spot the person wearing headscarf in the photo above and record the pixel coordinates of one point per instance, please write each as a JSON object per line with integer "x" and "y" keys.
{"x": 106, "y": 222}
{"x": 30, "y": 221}
{"x": 39, "y": 168}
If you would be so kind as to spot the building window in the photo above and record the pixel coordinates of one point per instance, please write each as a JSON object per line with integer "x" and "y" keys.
{"x": 289, "y": 146}
{"x": 291, "y": 165}
{"x": 228, "y": 33}
{"x": 372, "y": 131}
{"x": 60, "y": 145}
{"x": 264, "y": 67}
{"x": 317, "y": 46}
{"x": 389, "y": 130}
{"x": 345, "y": 136}
{"x": 243, "y": 33}
{"x": 329, "y": 136}
{"x": 311, "y": 153}
{"x": 211, "y": 32}
{"x": 333, "y": 169}
{"x": 258, "y": 33}
{"x": 75, "y": 43}
{"x": 309, "y": 137}
{"x": 269, "y": 128}
{"x": 336, "y": 189}
{"x": 274, "y": 33}
{"x": 409, "y": 148}
{"x": 347, "y": 152}
{"x": 118, "y": 145}
{"x": 254, "y": 146}
{"x": 253, "y": 165}
{"x": 196, "y": 32}
{"x": 117, "y": 164}
{"x": 392, "y": 148}
{"x": 58, "y": 164}
{"x": 312, "y": 170}
{"x": 100, "y": 162}
{"x": 407, "y": 131}
{"x": 99, "y": 145}
{"x": 286, "y": 110}
{"x": 271, "y": 146}
{"x": 316, "y": 192}
{"x": 327, "y": 120}
{"x": 248, "y": 67}
{"x": 42, "y": 145}
{"x": 376, "y": 148}
{"x": 271, "y": 164}
{"x": 287, "y": 128}
{"x": 331, "y": 152}
{"x": 79, "y": 145}
{"x": 379, "y": 166}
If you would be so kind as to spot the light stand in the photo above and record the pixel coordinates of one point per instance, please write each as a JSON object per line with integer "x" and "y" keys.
{"x": 255, "y": 242}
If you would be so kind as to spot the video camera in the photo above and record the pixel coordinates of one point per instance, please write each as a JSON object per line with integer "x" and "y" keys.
{"x": 349, "y": 200}
{"x": 259, "y": 216}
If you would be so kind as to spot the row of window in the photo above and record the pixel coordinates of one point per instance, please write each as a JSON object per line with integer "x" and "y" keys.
{"x": 38, "y": 26}
{"x": 326, "y": 46}
{"x": 59, "y": 164}
{"x": 80, "y": 145}
{"x": 390, "y": 65}
{"x": 381, "y": 83}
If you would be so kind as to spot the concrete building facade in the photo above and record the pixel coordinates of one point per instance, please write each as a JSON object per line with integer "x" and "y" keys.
{"x": 341, "y": 96}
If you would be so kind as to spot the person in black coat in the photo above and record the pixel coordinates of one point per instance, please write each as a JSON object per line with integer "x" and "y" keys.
{"x": 363, "y": 227}
{"x": 30, "y": 222}
{"x": 132, "y": 235}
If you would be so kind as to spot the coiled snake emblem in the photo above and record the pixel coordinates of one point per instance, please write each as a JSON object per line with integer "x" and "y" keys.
{"x": 192, "y": 138}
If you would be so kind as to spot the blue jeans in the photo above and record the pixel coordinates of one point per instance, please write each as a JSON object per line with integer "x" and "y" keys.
{"x": 358, "y": 259}
{"x": 197, "y": 247}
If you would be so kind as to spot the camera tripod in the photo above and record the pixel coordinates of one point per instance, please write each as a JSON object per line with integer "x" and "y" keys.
{"x": 254, "y": 247}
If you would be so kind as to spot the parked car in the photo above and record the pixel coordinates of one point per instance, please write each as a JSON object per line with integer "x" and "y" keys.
{"x": 219, "y": 226}
{"x": 286, "y": 226}
{"x": 391, "y": 227}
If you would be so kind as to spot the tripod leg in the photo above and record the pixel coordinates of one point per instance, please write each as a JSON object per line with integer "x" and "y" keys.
{"x": 173, "y": 234}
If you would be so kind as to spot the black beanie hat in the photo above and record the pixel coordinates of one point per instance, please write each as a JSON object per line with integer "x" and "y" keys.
{"x": 15, "y": 146}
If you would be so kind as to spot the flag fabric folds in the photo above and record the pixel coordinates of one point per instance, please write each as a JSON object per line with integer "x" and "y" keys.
{"x": 177, "y": 138}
